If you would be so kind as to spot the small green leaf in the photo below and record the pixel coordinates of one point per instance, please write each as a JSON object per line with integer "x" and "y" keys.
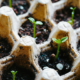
{"x": 39, "y": 23}
{"x": 55, "y": 40}
{"x": 31, "y": 19}
{"x": 71, "y": 8}
{"x": 74, "y": 8}
{"x": 64, "y": 39}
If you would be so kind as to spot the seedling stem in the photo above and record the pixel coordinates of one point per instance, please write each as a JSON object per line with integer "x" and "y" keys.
{"x": 13, "y": 74}
{"x": 57, "y": 51}
{"x": 10, "y": 3}
{"x": 34, "y": 31}
{"x": 32, "y": 20}
{"x": 59, "y": 41}
{"x": 73, "y": 11}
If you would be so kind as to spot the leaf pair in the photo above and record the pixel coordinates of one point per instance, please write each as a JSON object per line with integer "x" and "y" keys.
{"x": 71, "y": 20}
{"x": 13, "y": 72}
{"x": 32, "y": 20}
{"x": 59, "y": 41}
{"x": 72, "y": 8}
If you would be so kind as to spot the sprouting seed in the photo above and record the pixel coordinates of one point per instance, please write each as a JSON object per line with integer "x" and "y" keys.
{"x": 32, "y": 20}
{"x": 59, "y": 41}
{"x": 72, "y": 15}
{"x": 13, "y": 74}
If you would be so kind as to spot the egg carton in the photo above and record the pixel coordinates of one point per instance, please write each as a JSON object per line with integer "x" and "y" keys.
{"x": 25, "y": 51}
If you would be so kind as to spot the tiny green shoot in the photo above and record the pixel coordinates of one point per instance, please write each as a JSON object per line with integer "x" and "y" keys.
{"x": 59, "y": 41}
{"x": 72, "y": 15}
{"x": 10, "y": 3}
{"x": 32, "y": 20}
{"x": 13, "y": 74}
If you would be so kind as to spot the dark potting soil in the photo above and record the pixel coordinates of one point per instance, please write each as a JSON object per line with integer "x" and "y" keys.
{"x": 21, "y": 74}
{"x": 5, "y": 48}
{"x": 42, "y": 31}
{"x": 78, "y": 46}
{"x": 65, "y": 15}
{"x": 46, "y": 59}
{"x": 19, "y": 6}
{"x": 55, "y": 1}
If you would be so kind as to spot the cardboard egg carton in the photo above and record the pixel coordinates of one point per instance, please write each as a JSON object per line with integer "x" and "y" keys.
{"x": 25, "y": 50}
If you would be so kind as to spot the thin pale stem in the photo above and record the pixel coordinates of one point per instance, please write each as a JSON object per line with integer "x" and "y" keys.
{"x": 57, "y": 51}
{"x": 34, "y": 30}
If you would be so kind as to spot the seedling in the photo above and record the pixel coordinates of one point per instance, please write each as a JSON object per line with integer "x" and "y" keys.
{"x": 32, "y": 20}
{"x": 73, "y": 11}
{"x": 59, "y": 41}
{"x": 10, "y": 3}
{"x": 13, "y": 74}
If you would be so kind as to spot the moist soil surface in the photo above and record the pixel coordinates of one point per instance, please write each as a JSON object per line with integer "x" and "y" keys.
{"x": 42, "y": 31}
{"x": 22, "y": 74}
{"x": 19, "y": 6}
{"x": 55, "y": 1}
{"x": 5, "y": 48}
{"x": 78, "y": 46}
{"x": 65, "y": 15}
{"x": 47, "y": 59}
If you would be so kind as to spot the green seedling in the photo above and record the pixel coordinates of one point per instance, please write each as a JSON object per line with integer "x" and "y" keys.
{"x": 32, "y": 20}
{"x": 10, "y": 3}
{"x": 72, "y": 14}
{"x": 59, "y": 41}
{"x": 13, "y": 74}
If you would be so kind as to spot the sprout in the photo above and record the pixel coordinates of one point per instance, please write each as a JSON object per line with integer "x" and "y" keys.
{"x": 59, "y": 41}
{"x": 10, "y": 3}
{"x": 13, "y": 73}
{"x": 71, "y": 20}
{"x": 32, "y": 20}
